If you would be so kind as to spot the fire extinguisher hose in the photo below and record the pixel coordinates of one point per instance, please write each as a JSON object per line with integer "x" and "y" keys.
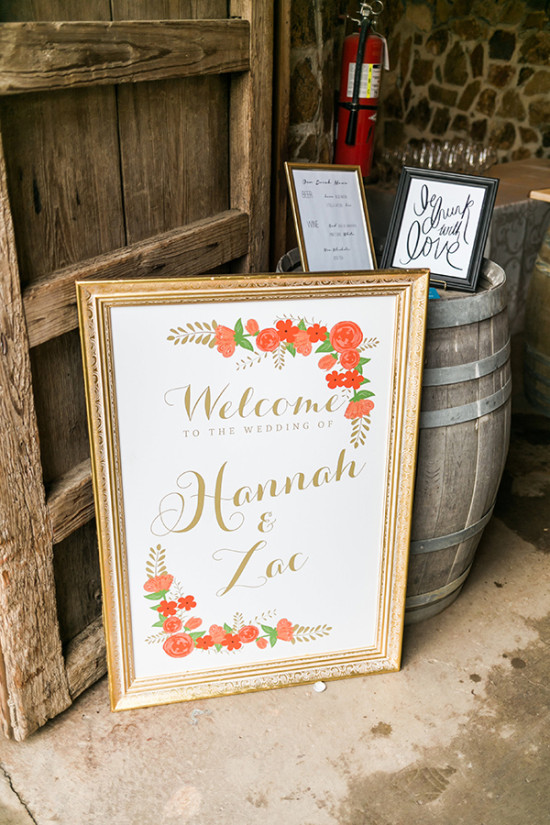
{"x": 355, "y": 106}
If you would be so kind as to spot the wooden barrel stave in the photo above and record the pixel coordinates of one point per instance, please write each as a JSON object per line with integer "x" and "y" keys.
{"x": 463, "y": 443}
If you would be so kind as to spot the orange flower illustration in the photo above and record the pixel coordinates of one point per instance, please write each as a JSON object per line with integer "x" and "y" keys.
{"x": 178, "y": 645}
{"x": 157, "y": 583}
{"x": 357, "y": 409}
{"x": 345, "y": 335}
{"x": 285, "y": 630}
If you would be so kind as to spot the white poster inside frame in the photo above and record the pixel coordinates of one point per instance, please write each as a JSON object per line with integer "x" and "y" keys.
{"x": 331, "y": 217}
{"x": 253, "y": 446}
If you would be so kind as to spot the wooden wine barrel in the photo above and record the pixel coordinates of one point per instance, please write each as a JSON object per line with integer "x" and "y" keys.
{"x": 536, "y": 365}
{"x": 463, "y": 439}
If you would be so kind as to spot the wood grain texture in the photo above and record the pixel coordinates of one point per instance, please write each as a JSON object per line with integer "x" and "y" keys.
{"x": 77, "y": 580}
{"x": 50, "y": 303}
{"x": 29, "y": 636}
{"x": 12, "y": 11}
{"x": 250, "y": 132}
{"x": 63, "y": 177}
{"x": 173, "y": 139}
{"x": 45, "y": 56}
{"x": 70, "y": 501}
{"x": 85, "y": 658}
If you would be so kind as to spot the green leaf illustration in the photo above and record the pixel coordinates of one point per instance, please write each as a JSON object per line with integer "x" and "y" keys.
{"x": 292, "y": 349}
{"x": 361, "y": 395}
{"x": 159, "y": 624}
{"x": 326, "y": 346}
{"x": 244, "y": 343}
{"x": 239, "y": 329}
{"x": 302, "y": 325}
{"x": 227, "y": 628}
{"x": 160, "y": 594}
{"x": 363, "y": 361}
{"x": 267, "y": 629}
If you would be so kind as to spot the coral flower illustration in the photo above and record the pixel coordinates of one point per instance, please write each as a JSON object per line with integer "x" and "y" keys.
{"x": 173, "y": 624}
{"x": 285, "y": 630}
{"x": 157, "y": 583}
{"x": 357, "y": 409}
{"x": 249, "y": 633}
{"x": 178, "y": 645}
{"x": 349, "y": 358}
{"x": 268, "y": 339}
{"x": 345, "y": 335}
{"x": 327, "y": 362}
{"x": 252, "y": 327}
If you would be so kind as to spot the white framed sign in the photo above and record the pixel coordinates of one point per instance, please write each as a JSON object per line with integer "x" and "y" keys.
{"x": 253, "y": 451}
{"x": 331, "y": 217}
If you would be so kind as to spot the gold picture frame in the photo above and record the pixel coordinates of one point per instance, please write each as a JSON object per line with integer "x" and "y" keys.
{"x": 253, "y": 497}
{"x": 331, "y": 217}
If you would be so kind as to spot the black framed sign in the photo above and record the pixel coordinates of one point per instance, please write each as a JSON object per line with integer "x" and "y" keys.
{"x": 440, "y": 221}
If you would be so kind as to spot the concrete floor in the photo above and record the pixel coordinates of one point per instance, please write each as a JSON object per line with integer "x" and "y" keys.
{"x": 460, "y": 736}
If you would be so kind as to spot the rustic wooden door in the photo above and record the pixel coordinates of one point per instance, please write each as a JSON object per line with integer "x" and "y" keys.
{"x": 129, "y": 147}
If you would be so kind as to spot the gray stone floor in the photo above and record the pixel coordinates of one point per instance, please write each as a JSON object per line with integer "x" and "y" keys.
{"x": 460, "y": 736}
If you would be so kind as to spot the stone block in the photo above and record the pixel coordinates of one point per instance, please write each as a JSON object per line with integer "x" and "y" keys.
{"x": 478, "y": 130}
{"x": 536, "y": 49}
{"x": 460, "y": 124}
{"x": 528, "y": 135}
{"x": 502, "y": 45}
{"x": 420, "y": 114}
{"x": 470, "y": 29}
{"x": 405, "y": 60}
{"x": 437, "y": 42}
{"x": 305, "y": 93}
{"x": 511, "y": 106}
{"x": 441, "y": 94}
{"x": 422, "y": 71}
{"x": 539, "y": 112}
{"x": 500, "y": 74}
{"x": 469, "y": 95}
{"x": 521, "y": 154}
{"x": 486, "y": 102}
{"x": 524, "y": 74}
{"x": 503, "y": 135}
{"x": 456, "y": 66}
{"x": 539, "y": 83}
{"x": 440, "y": 121}
{"x": 302, "y": 30}
{"x": 477, "y": 60}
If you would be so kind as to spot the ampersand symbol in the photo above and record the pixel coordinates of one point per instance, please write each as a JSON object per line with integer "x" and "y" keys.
{"x": 266, "y": 522}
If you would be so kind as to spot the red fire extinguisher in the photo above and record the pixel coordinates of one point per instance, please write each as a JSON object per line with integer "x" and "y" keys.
{"x": 362, "y": 61}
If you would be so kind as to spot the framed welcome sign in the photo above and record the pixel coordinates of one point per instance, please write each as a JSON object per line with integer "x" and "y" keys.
{"x": 253, "y": 449}
{"x": 440, "y": 220}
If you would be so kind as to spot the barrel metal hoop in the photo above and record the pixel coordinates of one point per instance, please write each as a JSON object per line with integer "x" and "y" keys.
{"x": 458, "y": 312}
{"x": 442, "y": 542}
{"x": 467, "y": 412}
{"x": 438, "y": 376}
{"x": 440, "y": 593}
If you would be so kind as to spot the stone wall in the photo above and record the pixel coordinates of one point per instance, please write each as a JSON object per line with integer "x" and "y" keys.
{"x": 474, "y": 69}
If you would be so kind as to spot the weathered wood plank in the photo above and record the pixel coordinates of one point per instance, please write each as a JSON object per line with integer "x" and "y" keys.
{"x": 86, "y": 658}
{"x": 50, "y": 303}
{"x": 12, "y": 11}
{"x": 29, "y": 636}
{"x": 70, "y": 501}
{"x": 63, "y": 165}
{"x": 46, "y": 56}
{"x": 250, "y": 132}
{"x": 186, "y": 176}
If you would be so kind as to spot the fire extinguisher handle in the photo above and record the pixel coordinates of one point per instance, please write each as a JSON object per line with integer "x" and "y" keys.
{"x": 354, "y": 105}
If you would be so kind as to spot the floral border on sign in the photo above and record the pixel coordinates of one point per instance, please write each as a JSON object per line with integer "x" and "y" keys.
{"x": 341, "y": 349}
{"x": 180, "y": 634}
